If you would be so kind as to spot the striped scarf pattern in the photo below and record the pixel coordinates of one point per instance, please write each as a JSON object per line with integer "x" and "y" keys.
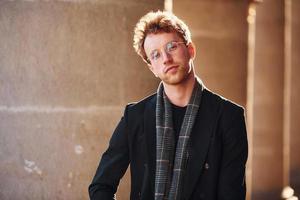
{"x": 171, "y": 162}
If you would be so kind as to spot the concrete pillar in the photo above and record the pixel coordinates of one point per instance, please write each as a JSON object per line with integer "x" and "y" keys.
{"x": 67, "y": 68}
{"x": 219, "y": 31}
{"x": 293, "y": 94}
{"x": 267, "y": 101}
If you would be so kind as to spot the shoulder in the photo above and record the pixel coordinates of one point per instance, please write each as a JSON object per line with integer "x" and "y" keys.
{"x": 140, "y": 106}
{"x": 136, "y": 112}
{"x": 225, "y": 106}
{"x": 226, "y": 112}
{"x": 229, "y": 114}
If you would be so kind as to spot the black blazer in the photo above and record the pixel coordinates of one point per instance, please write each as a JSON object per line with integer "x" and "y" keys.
{"x": 218, "y": 152}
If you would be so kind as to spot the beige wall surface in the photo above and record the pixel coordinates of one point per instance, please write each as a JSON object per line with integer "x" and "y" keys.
{"x": 268, "y": 101}
{"x": 67, "y": 69}
{"x": 294, "y": 106}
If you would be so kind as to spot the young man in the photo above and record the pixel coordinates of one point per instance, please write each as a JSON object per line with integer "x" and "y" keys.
{"x": 184, "y": 142}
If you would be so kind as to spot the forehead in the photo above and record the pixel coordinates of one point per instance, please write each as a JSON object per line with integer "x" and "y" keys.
{"x": 156, "y": 41}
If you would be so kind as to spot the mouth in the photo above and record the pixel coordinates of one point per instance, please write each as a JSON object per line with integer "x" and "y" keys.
{"x": 167, "y": 69}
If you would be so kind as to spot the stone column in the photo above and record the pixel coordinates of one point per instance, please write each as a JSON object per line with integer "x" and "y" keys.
{"x": 267, "y": 101}
{"x": 292, "y": 95}
{"x": 219, "y": 31}
{"x": 67, "y": 69}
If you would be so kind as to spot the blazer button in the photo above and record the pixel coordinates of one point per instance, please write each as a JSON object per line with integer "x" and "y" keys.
{"x": 206, "y": 166}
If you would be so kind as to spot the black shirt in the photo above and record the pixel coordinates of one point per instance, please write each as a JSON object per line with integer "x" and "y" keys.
{"x": 177, "y": 115}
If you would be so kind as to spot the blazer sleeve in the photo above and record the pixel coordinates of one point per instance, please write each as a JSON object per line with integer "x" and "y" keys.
{"x": 232, "y": 184}
{"x": 113, "y": 164}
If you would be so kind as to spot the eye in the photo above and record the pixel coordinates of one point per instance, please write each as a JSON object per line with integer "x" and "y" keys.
{"x": 155, "y": 55}
{"x": 171, "y": 46}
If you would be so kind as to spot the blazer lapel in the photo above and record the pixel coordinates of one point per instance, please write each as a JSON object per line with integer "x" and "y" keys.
{"x": 199, "y": 143}
{"x": 150, "y": 137}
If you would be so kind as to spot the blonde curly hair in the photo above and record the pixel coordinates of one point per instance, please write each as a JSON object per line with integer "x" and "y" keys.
{"x": 158, "y": 22}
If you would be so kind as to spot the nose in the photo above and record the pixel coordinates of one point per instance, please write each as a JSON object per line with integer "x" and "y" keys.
{"x": 167, "y": 57}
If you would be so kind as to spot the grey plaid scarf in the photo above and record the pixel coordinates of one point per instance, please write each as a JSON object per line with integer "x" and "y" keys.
{"x": 171, "y": 162}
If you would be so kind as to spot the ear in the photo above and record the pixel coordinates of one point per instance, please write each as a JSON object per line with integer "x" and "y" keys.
{"x": 192, "y": 50}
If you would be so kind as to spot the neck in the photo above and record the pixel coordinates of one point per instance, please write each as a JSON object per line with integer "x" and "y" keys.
{"x": 180, "y": 94}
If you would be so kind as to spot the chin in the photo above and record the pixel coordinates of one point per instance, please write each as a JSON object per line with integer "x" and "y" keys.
{"x": 175, "y": 80}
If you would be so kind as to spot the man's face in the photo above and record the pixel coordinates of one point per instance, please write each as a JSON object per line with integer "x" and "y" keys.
{"x": 170, "y": 57}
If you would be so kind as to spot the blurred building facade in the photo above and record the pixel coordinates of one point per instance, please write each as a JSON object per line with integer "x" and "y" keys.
{"x": 67, "y": 69}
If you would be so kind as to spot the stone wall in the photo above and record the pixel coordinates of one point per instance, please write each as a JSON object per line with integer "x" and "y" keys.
{"x": 67, "y": 69}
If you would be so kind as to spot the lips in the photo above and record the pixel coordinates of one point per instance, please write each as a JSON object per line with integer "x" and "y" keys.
{"x": 167, "y": 69}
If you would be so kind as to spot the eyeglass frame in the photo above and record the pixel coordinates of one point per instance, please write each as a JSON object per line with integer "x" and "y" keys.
{"x": 165, "y": 47}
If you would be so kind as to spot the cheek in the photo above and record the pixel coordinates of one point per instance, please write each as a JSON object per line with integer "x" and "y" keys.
{"x": 183, "y": 56}
{"x": 156, "y": 68}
